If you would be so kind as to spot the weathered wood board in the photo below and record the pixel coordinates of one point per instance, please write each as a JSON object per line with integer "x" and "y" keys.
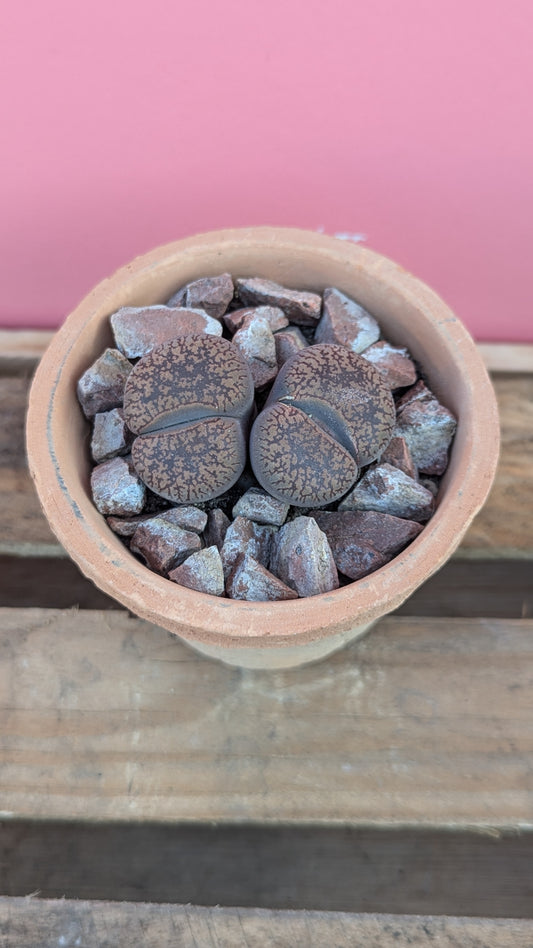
{"x": 36, "y": 923}
{"x": 425, "y": 721}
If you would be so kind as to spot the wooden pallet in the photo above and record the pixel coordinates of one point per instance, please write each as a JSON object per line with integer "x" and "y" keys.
{"x": 395, "y": 777}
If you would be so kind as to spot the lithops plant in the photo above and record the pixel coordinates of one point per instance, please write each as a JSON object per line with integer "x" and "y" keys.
{"x": 329, "y": 413}
{"x": 189, "y": 402}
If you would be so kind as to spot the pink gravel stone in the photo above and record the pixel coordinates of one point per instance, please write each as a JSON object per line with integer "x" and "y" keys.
{"x": 164, "y": 544}
{"x": 301, "y": 307}
{"x": 250, "y": 580}
{"x": 245, "y": 536}
{"x": 126, "y": 526}
{"x": 394, "y": 362}
{"x": 274, "y": 316}
{"x": 261, "y": 507}
{"x": 101, "y": 387}
{"x": 289, "y": 342}
{"x": 398, "y": 454}
{"x": 212, "y": 294}
{"x": 345, "y": 323}
{"x": 428, "y": 428}
{"x": 364, "y": 540}
{"x": 217, "y": 527}
{"x": 389, "y": 490}
{"x": 116, "y": 489}
{"x": 201, "y": 571}
{"x": 186, "y": 517}
{"x": 255, "y": 341}
{"x": 138, "y": 330}
{"x": 302, "y": 558}
{"x": 110, "y": 436}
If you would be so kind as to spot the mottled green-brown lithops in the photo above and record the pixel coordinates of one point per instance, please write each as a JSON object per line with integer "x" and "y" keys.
{"x": 330, "y": 412}
{"x": 189, "y": 402}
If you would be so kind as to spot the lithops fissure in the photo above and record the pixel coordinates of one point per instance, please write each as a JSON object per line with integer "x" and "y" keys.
{"x": 330, "y": 412}
{"x": 189, "y": 402}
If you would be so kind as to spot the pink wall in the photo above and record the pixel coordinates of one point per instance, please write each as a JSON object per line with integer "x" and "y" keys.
{"x": 128, "y": 124}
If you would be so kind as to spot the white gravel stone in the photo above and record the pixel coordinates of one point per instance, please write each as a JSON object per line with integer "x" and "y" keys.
{"x": 116, "y": 489}
{"x": 387, "y": 489}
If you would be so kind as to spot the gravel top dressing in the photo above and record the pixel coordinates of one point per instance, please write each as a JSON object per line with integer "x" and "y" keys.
{"x": 259, "y": 442}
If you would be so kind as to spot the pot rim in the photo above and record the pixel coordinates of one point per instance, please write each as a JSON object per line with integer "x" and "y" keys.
{"x": 223, "y": 622}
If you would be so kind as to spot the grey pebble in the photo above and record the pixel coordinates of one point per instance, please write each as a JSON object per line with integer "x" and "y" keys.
{"x": 345, "y": 323}
{"x": 249, "y": 580}
{"x": 116, "y": 489}
{"x": 389, "y": 490}
{"x": 261, "y": 507}
{"x": 201, "y": 571}
{"x": 101, "y": 387}
{"x": 301, "y": 558}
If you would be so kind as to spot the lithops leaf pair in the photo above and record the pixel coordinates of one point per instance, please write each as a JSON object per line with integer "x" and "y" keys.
{"x": 329, "y": 413}
{"x": 190, "y": 402}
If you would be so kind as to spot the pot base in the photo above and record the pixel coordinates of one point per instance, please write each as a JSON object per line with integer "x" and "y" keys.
{"x": 278, "y": 657}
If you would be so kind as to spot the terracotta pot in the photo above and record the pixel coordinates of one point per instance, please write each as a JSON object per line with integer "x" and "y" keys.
{"x": 279, "y": 634}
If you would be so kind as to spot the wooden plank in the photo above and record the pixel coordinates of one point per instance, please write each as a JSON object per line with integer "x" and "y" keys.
{"x": 22, "y": 349}
{"x": 502, "y": 529}
{"x": 426, "y": 722}
{"x": 24, "y": 530}
{"x": 507, "y": 357}
{"x": 39, "y": 923}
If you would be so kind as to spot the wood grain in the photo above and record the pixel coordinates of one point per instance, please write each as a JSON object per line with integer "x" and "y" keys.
{"x": 39, "y": 923}
{"x": 425, "y": 722}
{"x": 502, "y": 529}
{"x": 22, "y": 349}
